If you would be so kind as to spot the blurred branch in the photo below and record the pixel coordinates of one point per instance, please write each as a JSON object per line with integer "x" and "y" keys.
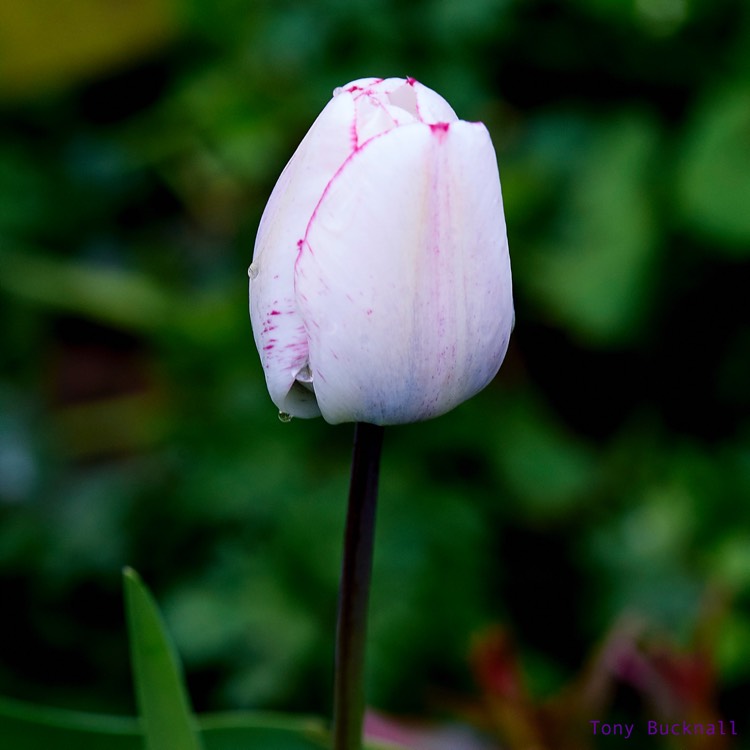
{"x": 120, "y": 297}
{"x": 115, "y": 296}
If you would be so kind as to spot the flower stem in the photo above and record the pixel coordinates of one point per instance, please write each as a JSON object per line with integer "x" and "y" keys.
{"x": 351, "y": 632}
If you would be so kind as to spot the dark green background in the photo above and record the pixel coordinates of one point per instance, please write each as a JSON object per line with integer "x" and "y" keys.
{"x": 604, "y": 475}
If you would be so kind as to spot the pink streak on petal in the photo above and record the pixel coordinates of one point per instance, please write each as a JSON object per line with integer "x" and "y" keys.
{"x": 440, "y": 129}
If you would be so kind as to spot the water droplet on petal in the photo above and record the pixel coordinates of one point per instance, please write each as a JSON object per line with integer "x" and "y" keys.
{"x": 284, "y": 417}
{"x": 252, "y": 272}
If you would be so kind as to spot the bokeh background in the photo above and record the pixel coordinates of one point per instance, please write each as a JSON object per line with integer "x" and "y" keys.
{"x": 572, "y": 544}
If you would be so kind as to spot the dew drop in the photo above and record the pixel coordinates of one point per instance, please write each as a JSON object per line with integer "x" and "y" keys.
{"x": 284, "y": 417}
{"x": 252, "y": 272}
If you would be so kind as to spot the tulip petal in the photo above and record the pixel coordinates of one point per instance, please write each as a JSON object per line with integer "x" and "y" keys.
{"x": 431, "y": 107}
{"x": 408, "y": 95}
{"x": 279, "y": 332}
{"x": 403, "y": 279}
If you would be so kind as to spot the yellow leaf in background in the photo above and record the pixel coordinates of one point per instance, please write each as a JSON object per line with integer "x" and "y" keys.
{"x": 48, "y": 44}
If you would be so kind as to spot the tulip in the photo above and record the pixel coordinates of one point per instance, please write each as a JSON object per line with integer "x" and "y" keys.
{"x": 380, "y": 288}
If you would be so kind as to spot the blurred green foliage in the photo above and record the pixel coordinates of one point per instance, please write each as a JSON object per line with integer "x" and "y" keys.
{"x": 607, "y": 469}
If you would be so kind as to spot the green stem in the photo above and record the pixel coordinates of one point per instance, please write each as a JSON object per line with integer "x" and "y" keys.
{"x": 351, "y": 633}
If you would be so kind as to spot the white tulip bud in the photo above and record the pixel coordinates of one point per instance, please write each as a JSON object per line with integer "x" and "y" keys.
{"x": 380, "y": 288}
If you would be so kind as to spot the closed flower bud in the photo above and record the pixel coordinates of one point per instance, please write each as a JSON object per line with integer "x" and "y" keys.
{"x": 380, "y": 288}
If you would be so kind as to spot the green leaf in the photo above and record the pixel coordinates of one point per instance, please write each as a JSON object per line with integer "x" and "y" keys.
{"x": 28, "y": 727}
{"x": 163, "y": 702}
{"x": 714, "y": 180}
{"x": 550, "y": 470}
{"x": 595, "y": 274}
{"x": 25, "y": 726}
{"x": 263, "y": 731}
{"x": 166, "y": 721}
